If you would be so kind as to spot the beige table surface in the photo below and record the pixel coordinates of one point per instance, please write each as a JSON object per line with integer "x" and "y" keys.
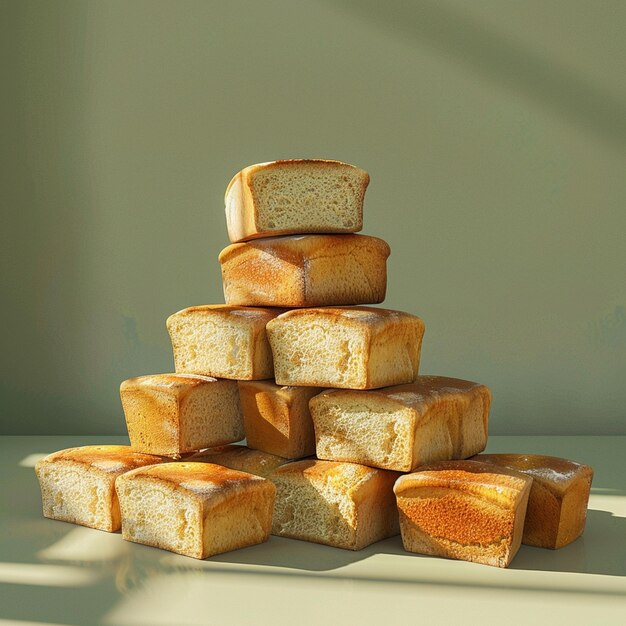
{"x": 56, "y": 573}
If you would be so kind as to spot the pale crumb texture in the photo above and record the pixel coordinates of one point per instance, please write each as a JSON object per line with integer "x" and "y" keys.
{"x": 77, "y": 484}
{"x": 402, "y": 427}
{"x": 353, "y": 348}
{"x": 195, "y": 509}
{"x": 338, "y": 504}
{"x": 222, "y": 341}
{"x": 463, "y": 510}
{"x": 295, "y": 196}
{"x": 174, "y": 414}
{"x": 557, "y": 506}
{"x": 277, "y": 418}
{"x": 305, "y": 271}
{"x": 241, "y": 458}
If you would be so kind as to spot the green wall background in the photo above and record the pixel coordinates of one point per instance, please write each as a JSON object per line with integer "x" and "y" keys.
{"x": 495, "y": 137}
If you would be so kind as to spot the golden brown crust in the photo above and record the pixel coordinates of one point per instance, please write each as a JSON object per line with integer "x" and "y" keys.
{"x": 257, "y": 314}
{"x": 190, "y": 474}
{"x": 557, "y": 506}
{"x": 165, "y": 415}
{"x": 330, "y": 471}
{"x": 361, "y": 316}
{"x": 301, "y": 248}
{"x": 502, "y": 486}
{"x": 277, "y": 418}
{"x": 305, "y": 270}
{"x": 111, "y": 459}
{"x": 241, "y": 458}
{"x": 175, "y": 384}
{"x": 418, "y": 394}
{"x": 554, "y": 473}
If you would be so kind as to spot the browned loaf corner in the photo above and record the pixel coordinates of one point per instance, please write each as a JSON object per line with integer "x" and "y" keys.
{"x": 277, "y": 418}
{"x": 557, "y": 506}
{"x": 175, "y": 414}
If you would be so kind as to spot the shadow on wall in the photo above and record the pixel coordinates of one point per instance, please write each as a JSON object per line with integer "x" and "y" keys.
{"x": 47, "y": 189}
{"x": 507, "y": 62}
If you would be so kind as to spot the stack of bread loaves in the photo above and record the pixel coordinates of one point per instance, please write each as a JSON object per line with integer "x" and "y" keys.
{"x": 326, "y": 391}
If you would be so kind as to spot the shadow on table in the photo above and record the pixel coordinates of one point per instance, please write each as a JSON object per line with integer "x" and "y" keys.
{"x": 302, "y": 555}
{"x": 601, "y": 550}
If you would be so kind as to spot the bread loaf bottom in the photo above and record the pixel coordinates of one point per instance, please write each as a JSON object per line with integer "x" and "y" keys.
{"x": 175, "y": 414}
{"x": 402, "y": 427}
{"x": 463, "y": 510}
{"x": 338, "y": 504}
{"x": 78, "y": 484}
{"x": 195, "y": 509}
{"x": 557, "y": 506}
{"x": 295, "y": 196}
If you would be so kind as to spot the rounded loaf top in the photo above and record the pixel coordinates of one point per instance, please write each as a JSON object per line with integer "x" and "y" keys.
{"x": 108, "y": 458}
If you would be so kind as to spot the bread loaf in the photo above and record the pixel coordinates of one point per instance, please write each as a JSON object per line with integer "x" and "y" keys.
{"x": 339, "y": 504}
{"x": 173, "y": 414}
{"x": 241, "y": 458}
{"x": 77, "y": 484}
{"x": 277, "y": 418}
{"x": 195, "y": 509}
{"x": 463, "y": 510}
{"x": 222, "y": 341}
{"x": 353, "y": 348}
{"x": 296, "y": 196}
{"x": 305, "y": 271}
{"x": 401, "y": 427}
{"x": 557, "y": 506}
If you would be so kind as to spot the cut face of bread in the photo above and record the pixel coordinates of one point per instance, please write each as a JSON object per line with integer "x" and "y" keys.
{"x": 195, "y": 509}
{"x": 295, "y": 196}
{"x": 173, "y": 414}
{"x": 77, "y": 484}
{"x": 404, "y": 426}
{"x": 353, "y": 348}
{"x": 277, "y": 418}
{"x": 306, "y": 270}
{"x": 222, "y": 341}
{"x": 338, "y": 504}
{"x": 241, "y": 458}
{"x": 557, "y": 506}
{"x": 463, "y": 510}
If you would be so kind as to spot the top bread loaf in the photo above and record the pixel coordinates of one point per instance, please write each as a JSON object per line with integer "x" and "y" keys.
{"x": 294, "y": 197}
